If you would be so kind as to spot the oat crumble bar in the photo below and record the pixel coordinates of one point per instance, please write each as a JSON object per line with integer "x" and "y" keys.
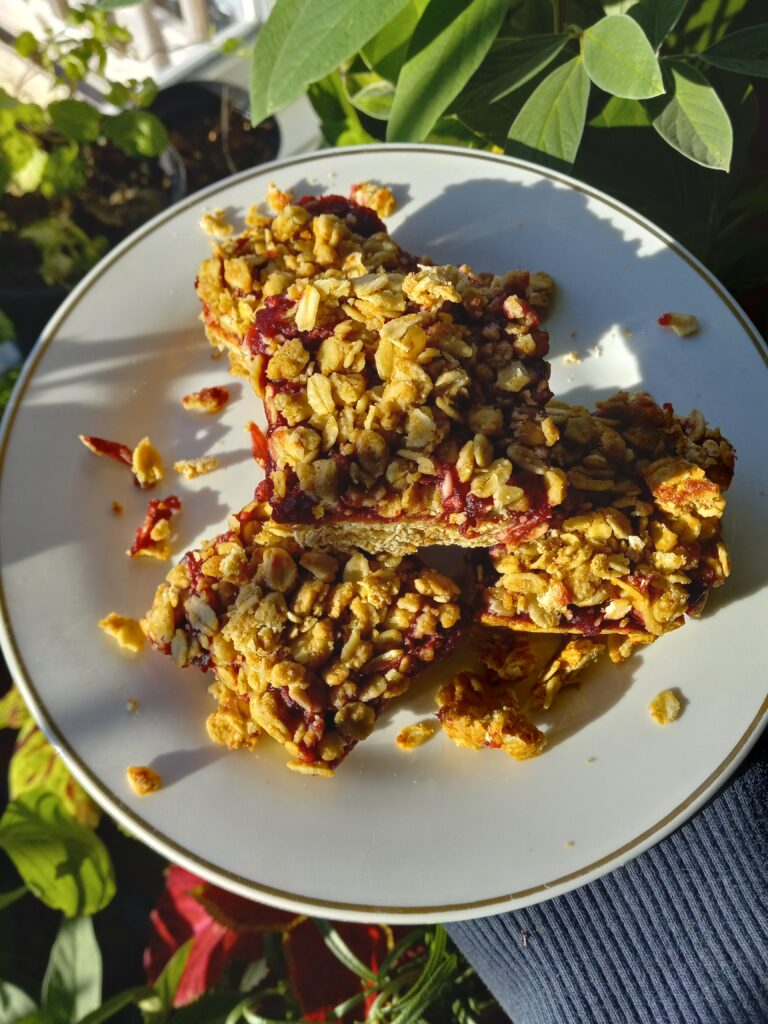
{"x": 637, "y": 544}
{"x": 405, "y": 402}
{"x": 305, "y": 645}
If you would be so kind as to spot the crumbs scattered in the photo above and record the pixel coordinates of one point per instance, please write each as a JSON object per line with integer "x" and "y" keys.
{"x": 216, "y": 224}
{"x": 143, "y": 780}
{"x": 127, "y": 632}
{"x": 572, "y": 357}
{"x": 210, "y": 400}
{"x": 597, "y": 351}
{"x": 146, "y": 464}
{"x": 665, "y": 707}
{"x": 683, "y": 324}
{"x": 153, "y": 536}
{"x": 569, "y": 845}
{"x": 117, "y": 508}
{"x": 191, "y": 468}
{"x": 590, "y": 760}
{"x": 413, "y": 736}
{"x": 132, "y": 705}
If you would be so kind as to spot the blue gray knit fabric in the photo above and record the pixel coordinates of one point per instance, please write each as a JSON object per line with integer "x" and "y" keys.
{"x": 679, "y": 935}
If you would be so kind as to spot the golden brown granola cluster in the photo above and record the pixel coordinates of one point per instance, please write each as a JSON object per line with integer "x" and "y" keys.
{"x": 404, "y": 400}
{"x": 306, "y": 645}
{"x": 637, "y": 543}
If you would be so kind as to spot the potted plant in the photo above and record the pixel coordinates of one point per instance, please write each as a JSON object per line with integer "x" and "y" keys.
{"x": 75, "y": 180}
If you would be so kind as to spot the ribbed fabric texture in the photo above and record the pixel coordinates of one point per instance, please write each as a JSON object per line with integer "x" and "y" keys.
{"x": 677, "y": 936}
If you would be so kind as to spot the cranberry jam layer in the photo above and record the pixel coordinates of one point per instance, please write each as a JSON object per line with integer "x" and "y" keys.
{"x": 405, "y": 401}
{"x": 306, "y": 646}
{"x": 637, "y": 543}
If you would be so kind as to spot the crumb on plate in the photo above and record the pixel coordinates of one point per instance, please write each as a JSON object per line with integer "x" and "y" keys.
{"x": 665, "y": 707}
{"x": 126, "y": 631}
{"x": 191, "y": 468}
{"x": 415, "y": 735}
{"x": 143, "y": 780}
{"x": 146, "y": 464}
{"x": 683, "y": 324}
{"x": 117, "y": 508}
{"x": 210, "y": 400}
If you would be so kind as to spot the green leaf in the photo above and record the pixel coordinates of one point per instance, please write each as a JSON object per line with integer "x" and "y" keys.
{"x": 116, "y": 1004}
{"x": 115, "y": 5}
{"x": 342, "y": 952}
{"x": 657, "y": 18}
{"x": 339, "y": 120}
{"x": 386, "y": 52}
{"x": 448, "y": 46}
{"x": 136, "y": 132}
{"x": 76, "y": 120}
{"x": 9, "y": 378}
{"x": 692, "y": 119}
{"x": 157, "y": 1007}
{"x": 620, "y": 60}
{"x": 450, "y": 131}
{"x": 303, "y": 41}
{"x": 26, "y": 160}
{"x": 72, "y": 981}
{"x": 211, "y": 1008}
{"x": 35, "y": 765}
{"x": 619, "y": 113}
{"x": 64, "y": 171}
{"x": 26, "y": 45}
{"x": 63, "y": 863}
{"x": 550, "y": 125}
{"x": 370, "y": 94}
{"x": 14, "y": 713}
{"x": 513, "y": 62}
{"x": 744, "y": 52}
{"x": 7, "y": 899}
{"x": 15, "y": 1004}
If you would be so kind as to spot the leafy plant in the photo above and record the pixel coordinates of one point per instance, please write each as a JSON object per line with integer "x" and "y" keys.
{"x": 52, "y": 151}
{"x": 645, "y": 99}
{"x": 410, "y": 63}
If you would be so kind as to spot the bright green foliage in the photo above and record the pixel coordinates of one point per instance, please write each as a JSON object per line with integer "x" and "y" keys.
{"x": 63, "y": 863}
{"x": 551, "y": 123}
{"x": 447, "y": 47}
{"x": 66, "y": 251}
{"x": 692, "y": 119}
{"x": 136, "y": 132}
{"x": 72, "y": 982}
{"x": 386, "y": 52}
{"x": 75, "y": 120}
{"x": 620, "y": 60}
{"x": 303, "y": 41}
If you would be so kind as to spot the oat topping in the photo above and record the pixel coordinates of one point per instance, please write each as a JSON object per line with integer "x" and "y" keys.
{"x": 396, "y": 392}
{"x": 191, "y": 468}
{"x": 143, "y": 780}
{"x": 305, "y": 645}
{"x": 665, "y": 707}
{"x": 146, "y": 464}
{"x": 683, "y": 324}
{"x": 126, "y": 631}
{"x": 415, "y": 735}
{"x": 478, "y": 711}
{"x": 637, "y": 543}
{"x": 209, "y": 400}
{"x": 564, "y": 669}
{"x": 375, "y": 197}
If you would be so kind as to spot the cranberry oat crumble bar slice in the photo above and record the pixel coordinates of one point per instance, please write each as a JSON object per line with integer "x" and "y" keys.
{"x": 305, "y": 645}
{"x": 405, "y": 401}
{"x": 637, "y": 544}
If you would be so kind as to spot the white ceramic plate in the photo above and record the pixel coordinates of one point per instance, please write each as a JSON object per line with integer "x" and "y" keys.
{"x": 439, "y": 833}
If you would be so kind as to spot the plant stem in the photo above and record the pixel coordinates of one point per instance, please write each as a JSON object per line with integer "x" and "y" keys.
{"x": 559, "y": 15}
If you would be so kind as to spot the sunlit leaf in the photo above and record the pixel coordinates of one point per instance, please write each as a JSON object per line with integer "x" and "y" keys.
{"x": 448, "y": 46}
{"x": 72, "y": 982}
{"x": 386, "y": 52}
{"x": 618, "y": 113}
{"x": 64, "y": 171}
{"x": 692, "y": 118}
{"x": 15, "y": 1004}
{"x": 136, "y": 132}
{"x": 744, "y": 52}
{"x": 76, "y": 120}
{"x": 63, "y": 863}
{"x": 370, "y": 94}
{"x": 116, "y": 1004}
{"x": 339, "y": 121}
{"x": 620, "y": 60}
{"x": 302, "y": 41}
{"x": 550, "y": 125}
{"x": 7, "y": 899}
{"x": 25, "y": 158}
